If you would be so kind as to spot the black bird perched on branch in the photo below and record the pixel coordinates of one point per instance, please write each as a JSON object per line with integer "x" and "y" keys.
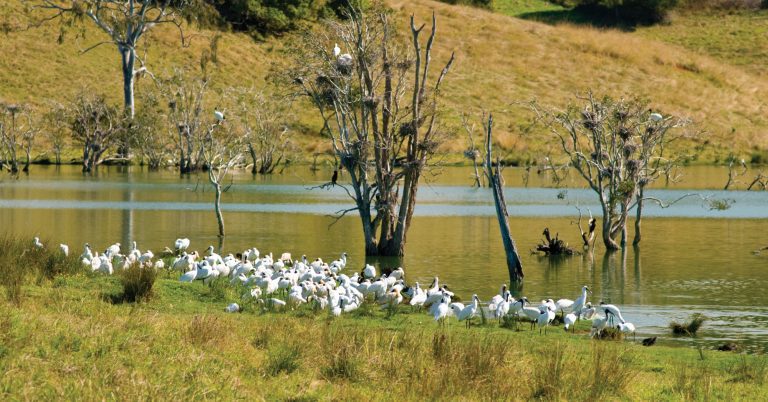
{"x": 335, "y": 176}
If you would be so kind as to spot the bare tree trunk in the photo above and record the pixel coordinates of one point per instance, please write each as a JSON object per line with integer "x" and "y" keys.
{"x": 254, "y": 170}
{"x": 514, "y": 265}
{"x": 639, "y": 215}
{"x": 27, "y": 162}
{"x": 609, "y": 242}
{"x": 217, "y": 202}
{"x": 477, "y": 184}
{"x": 128, "y": 61}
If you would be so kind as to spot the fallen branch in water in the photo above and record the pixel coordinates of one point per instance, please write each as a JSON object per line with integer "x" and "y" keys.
{"x": 554, "y": 246}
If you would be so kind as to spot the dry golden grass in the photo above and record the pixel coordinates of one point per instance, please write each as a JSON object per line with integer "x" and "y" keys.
{"x": 500, "y": 61}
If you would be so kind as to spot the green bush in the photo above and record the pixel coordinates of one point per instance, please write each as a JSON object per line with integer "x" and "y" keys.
{"x": 267, "y": 17}
{"x": 475, "y": 3}
{"x": 632, "y": 11}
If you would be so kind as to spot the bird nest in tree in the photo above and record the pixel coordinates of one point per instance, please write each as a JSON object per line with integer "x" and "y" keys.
{"x": 553, "y": 246}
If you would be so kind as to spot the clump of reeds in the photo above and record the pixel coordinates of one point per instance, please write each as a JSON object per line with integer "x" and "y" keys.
{"x": 282, "y": 358}
{"x": 137, "y": 282}
{"x": 690, "y": 327}
{"x": 610, "y": 334}
{"x": 203, "y": 329}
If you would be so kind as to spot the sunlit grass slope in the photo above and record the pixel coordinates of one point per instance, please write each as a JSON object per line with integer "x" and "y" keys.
{"x": 500, "y": 61}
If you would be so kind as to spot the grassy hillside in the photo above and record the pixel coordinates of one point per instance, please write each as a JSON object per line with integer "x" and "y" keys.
{"x": 500, "y": 61}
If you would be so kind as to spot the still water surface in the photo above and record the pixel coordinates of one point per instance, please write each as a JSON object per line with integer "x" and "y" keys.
{"x": 692, "y": 259}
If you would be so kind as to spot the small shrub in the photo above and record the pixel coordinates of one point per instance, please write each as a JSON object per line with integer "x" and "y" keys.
{"x": 548, "y": 376}
{"x": 137, "y": 283}
{"x": 282, "y": 358}
{"x": 203, "y": 329}
{"x": 721, "y": 205}
{"x": 343, "y": 365}
{"x": 690, "y": 327}
{"x": 610, "y": 334}
{"x": 612, "y": 370}
{"x": 693, "y": 383}
{"x": 750, "y": 370}
{"x": 261, "y": 338}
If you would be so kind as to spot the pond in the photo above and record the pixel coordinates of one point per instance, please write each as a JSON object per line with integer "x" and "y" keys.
{"x": 692, "y": 258}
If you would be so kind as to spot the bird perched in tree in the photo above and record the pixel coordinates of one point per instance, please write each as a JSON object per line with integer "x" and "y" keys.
{"x": 656, "y": 117}
{"x": 335, "y": 176}
{"x": 218, "y": 115}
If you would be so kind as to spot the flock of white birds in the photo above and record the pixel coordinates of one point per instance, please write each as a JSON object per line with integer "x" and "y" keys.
{"x": 325, "y": 285}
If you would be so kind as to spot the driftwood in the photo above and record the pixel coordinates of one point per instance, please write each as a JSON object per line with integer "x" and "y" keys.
{"x": 496, "y": 182}
{"x": 554, "y": 246}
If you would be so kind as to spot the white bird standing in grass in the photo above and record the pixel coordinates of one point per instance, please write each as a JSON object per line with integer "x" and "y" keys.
{"x": 64, "y": 249}
{"x": 181, "y": 244}
{"x": 37, "y": 243}
{"x": 531, "y": 313}
{"x": 369, "y": 271}
{"x": 598, "y": 324}
{"x": 656, "y": 117}
{"x": 627, "y": 328}
{"x": 611, "y": 311}
{"x": 218, "y": 115}
{"x": 232, "y": 308}
{"x": 336, "y": 50}
{"x": 570, "y": 322}
{"x": 588, "y": 312}
{"x": 112, "y": 250}
{"x": 87, "y": 254}
{"x": 579, "y": 303}
{"x": 545, "y": 317}
{"x": 442, "y": 311}
{"x": 470, "y": 311}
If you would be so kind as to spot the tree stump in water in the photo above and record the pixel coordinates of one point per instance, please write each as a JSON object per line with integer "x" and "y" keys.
{"x": 554, "y": 246}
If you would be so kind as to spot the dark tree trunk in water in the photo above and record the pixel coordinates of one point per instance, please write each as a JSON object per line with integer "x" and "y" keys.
{"x": 514, "y": 265}
{"x": 639, "y": 215}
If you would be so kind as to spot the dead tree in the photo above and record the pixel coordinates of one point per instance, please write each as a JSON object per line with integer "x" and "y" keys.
{"x": 124, "y": 22}
{"x": 17, "y": 130}
{"x": 96, "y": 126}
{"x": 761, "y": 180}
{"x": 496, "y": 182}
{"x": 733, "y": 172}
{"x": 472, "y": 153}
{"x": 587, "y": 237}
{"x": 185, "y": 95}
{"x": 262, "y": 120}
{"x": 56, "y": 120}
{"x": 618, "y": 149}
{"x": 146, "y": 133}
{"x": 222, "y": 151}
{"x": 378, "y": 102}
